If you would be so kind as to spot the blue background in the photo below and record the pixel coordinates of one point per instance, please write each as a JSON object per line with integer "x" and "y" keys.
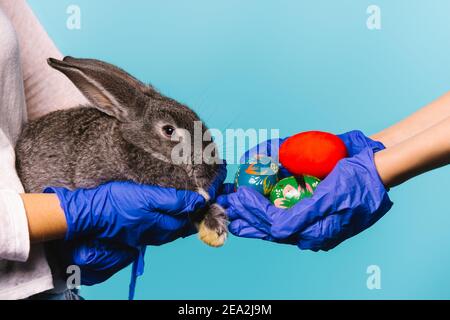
{"x": 294, "y": 65}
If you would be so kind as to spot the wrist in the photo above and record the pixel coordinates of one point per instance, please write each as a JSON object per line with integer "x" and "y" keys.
{"x": 76, "y": 207}
{"x": 46, "y": 219}
{"x": 423, "y": 152}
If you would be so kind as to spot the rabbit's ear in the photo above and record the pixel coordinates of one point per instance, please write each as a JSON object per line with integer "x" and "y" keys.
{"x": 113, "y": 70}
{"x": 110, "y": 89}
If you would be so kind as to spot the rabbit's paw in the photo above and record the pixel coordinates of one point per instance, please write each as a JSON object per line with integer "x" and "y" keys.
{"x": 213, "y": 228}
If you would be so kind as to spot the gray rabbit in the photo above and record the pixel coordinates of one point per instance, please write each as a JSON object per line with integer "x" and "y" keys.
{"x": 127, "y": 133}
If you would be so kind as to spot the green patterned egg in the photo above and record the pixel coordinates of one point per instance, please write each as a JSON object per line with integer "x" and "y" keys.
{"x": 288, "y": 191}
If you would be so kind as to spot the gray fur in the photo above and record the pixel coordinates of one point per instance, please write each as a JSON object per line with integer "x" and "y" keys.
{"x": 114, "y": 138}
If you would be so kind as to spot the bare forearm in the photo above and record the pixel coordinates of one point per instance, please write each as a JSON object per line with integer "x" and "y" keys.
{"x": 419, "y": 121}
{"x": 46, "y": 219}
{"x": 423, "y": 152}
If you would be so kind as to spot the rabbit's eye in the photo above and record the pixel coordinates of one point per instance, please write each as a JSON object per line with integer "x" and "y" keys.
{"x": 168, "y": 130}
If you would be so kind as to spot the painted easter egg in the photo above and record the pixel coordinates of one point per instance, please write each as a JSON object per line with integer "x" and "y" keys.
{"x": 288, "y": 191}
{"x": 313, "y": 153}
{"x": 259, "y": 173}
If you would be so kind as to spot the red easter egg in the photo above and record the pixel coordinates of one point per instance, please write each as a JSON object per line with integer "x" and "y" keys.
{"x": 313, "y": 153}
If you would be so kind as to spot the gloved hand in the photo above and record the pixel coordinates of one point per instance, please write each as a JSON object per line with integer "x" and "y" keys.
{"x": 98, "y": 260}
{"x": 130, "y": 213}
{"x": 151, "y": 215}
{"x": 350, "y": 199}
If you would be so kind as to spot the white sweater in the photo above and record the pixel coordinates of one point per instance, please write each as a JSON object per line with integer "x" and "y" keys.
{"x": 24, "y": 270}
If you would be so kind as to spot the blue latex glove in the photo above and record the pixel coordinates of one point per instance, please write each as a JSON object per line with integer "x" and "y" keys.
{"x": 165, "y": 211}
{"x": 350, "y": 199}
{"x": 130, "y": 213}
{"x": 269, "y": 148}
{"x": 97, "y": 260}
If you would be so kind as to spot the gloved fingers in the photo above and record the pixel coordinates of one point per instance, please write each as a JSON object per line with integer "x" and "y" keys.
{"x": 271, "y": 149}
{"x": 249, "y": 205}
{"x": 334, "y": 229}
{"x": 173, "y": 201}
{"x": 98, "y": 260}
{"x": 242, "y": 228}
{"x": 222, "y": 199}
{"x": 166, "y": 228}
{"x": 322, "y": 235}
{"x": 268, "y": 148}
{"x": 229, "y": 210}
{"x": 355, "y": 141}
